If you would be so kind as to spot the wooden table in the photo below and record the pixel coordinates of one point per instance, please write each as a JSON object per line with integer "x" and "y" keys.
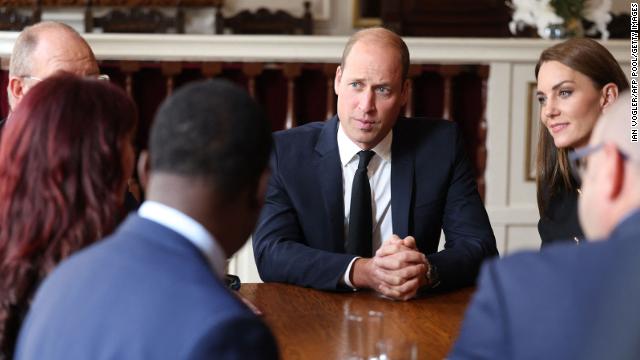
{"x": 310, "y": 324}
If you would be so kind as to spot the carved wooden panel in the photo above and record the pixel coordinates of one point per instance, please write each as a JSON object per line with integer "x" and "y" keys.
{"x": 294, "y": 94}
{"x": 265, "y": 21}
{"x": 127, "y": 3}
{"x": 455, "y": 18}
{"x": 11, "y": 19}
{"x": 134, "y": 20}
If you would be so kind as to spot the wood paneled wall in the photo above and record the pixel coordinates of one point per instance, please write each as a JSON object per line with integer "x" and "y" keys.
{"x": 293, "y": 94}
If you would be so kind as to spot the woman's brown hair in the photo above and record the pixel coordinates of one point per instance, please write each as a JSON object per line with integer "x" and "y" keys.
{"x": 590, "y": 58}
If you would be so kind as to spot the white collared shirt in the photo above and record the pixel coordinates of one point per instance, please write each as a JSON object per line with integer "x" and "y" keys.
{"x": 379, "y": 172}
{"x": 190, "y": 229}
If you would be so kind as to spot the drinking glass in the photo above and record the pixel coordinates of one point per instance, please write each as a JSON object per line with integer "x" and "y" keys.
{"x": 397, "y": 349}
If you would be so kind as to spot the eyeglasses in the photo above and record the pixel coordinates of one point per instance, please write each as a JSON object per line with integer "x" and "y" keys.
{"x": 99, "y": 77}
{"x": 578, "y": 159}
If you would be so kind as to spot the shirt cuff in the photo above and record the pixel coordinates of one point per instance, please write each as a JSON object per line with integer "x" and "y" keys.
{"x": 347, "y": 272}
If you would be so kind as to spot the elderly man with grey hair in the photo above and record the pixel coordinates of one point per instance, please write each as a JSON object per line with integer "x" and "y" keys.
{"x": 568, "y": 302}
{"x": 42, "y": 50}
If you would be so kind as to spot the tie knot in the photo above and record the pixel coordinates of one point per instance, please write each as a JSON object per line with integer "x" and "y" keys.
{"x": 365, "y": 156}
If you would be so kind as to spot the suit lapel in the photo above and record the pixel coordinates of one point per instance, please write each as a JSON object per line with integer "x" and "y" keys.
{"x": 329, "y": 175}
{"x": 402, "y": 172}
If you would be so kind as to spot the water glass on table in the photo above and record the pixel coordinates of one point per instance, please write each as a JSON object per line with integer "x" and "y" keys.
{"x": 364, "y": 331}
{"x": 397, "y": 349}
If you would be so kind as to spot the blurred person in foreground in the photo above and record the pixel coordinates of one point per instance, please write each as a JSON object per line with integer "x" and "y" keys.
{"x": 154, "y": 289}
{"x": 64, "y": 160}
{"x": 567, "y": 302}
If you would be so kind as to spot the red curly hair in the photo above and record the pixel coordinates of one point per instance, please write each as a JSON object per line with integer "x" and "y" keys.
{"x": 62, "y": 183}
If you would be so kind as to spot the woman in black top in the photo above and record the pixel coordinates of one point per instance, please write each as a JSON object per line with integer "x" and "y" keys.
{"x": 577, "y": 80}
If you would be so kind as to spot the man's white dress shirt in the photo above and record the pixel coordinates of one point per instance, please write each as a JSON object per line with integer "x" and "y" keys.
{"x": 379, "y": 172}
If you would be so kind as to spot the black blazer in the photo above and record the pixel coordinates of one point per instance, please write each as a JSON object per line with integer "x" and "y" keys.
{"x": 560, "y": 222}
{"x": 300, "y": 234}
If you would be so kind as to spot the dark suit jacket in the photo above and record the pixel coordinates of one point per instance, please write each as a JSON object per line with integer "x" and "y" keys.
{"x": 560, "y": 223}
{"x": 567, "y": 302}
{"x": 300, "y": 235}
{"x": 144, "y": 293}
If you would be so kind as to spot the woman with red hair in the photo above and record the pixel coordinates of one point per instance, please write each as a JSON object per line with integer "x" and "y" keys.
{"x": 65, "y": 155}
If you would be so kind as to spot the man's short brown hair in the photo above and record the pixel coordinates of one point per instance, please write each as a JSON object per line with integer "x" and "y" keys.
{"x": 384, "y": 36}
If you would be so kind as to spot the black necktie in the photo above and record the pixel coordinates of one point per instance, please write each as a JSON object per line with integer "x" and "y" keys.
{"x": 360, "y": 223}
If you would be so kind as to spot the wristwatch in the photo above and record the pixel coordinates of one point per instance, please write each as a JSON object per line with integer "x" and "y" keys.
{"x": 232, "y": 282}
{"x": 433, "y": 277}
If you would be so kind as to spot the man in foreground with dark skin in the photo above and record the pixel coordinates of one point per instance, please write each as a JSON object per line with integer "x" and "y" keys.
{"x": 359, "y": 201}
{"x": 154, "y": 289}
{"x": 567, "y": 302}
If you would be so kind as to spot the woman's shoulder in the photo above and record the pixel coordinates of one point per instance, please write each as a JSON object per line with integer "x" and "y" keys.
{"x": 560, "y": 220}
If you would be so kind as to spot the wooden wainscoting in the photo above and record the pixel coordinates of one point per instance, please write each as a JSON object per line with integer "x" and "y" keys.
{"x": 294, "y": 94}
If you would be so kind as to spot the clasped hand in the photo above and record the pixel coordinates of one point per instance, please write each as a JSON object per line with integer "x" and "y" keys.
{"x": 397, "y": 270}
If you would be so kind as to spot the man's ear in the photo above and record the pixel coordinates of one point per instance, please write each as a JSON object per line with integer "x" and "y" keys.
{"x": 15, "y": 90}
{"x": 144, "y": 166}
{"x": 337, "y": 79}
{"x": 609, "y": 94}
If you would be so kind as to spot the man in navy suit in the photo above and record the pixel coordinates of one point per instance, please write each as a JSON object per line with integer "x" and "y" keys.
{"x": 419, "y": 182}
{"x": 154, "y": 289}
{"x": 568, "y": 302}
